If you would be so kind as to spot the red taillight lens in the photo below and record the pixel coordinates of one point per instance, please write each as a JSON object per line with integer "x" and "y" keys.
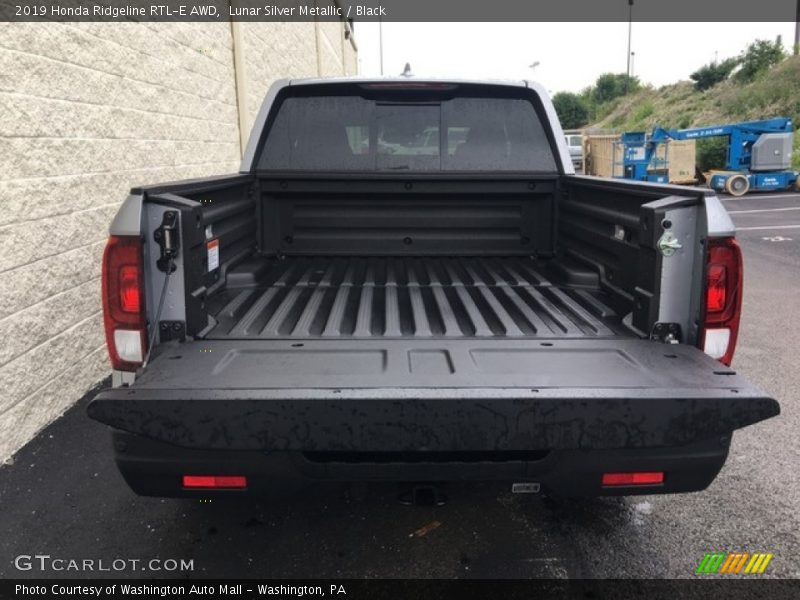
{"x": 723, "y": 309}
{"x": 634, "y": 478}
{"x": 129, "y": 291}
{"x": 123, "y": 302}
{"x": 215, "y": 481}
{"x": 409, "y": 85}
{"x": 716, "y": 292}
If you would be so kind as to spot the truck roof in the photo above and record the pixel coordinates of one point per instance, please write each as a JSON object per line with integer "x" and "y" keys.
{"x": 404, "y": 79}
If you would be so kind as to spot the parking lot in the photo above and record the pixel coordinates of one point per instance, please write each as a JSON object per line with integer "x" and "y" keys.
{"x": 62, "y": 496}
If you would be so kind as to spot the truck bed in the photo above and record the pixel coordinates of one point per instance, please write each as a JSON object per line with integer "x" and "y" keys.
{"x": 417, "y": 297}
{"x": 352, "y": 310}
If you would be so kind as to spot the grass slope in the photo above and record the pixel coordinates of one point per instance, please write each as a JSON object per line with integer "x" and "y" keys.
{"x": 774, "y": 93}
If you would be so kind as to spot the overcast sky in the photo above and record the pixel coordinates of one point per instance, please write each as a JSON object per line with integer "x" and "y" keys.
{"x": 570, "y": 55}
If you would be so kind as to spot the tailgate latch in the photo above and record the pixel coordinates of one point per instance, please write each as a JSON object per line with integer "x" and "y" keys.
{"x": 668, "y": 333}
{"x": 167, "y": 238}
{"x": 669, "y": 244}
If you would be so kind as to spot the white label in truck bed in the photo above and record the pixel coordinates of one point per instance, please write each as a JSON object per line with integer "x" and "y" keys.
{"x": 213, "y": 254}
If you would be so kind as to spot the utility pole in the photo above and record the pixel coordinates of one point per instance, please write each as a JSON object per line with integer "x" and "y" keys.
{"x": 380, "y": 40}
{"x": 630, "y": 27}
{"x": 797, "y": 30}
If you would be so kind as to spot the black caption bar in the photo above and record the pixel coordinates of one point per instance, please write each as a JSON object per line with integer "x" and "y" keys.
{"x": 181, "y": 589}
{"x": 406, "y": 10}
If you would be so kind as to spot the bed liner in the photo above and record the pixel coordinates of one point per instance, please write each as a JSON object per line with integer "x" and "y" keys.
{"x": 420, "y": 297}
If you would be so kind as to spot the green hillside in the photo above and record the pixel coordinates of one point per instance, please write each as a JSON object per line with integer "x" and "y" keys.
{"x": 775, "y": 92}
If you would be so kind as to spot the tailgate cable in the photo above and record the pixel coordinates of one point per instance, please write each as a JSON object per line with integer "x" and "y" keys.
{"x": 166, "y": 235}
{"x": 151, "y": 335}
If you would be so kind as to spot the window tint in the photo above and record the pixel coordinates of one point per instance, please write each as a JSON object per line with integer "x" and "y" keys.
{"x": 325, "y": 133}
{"x": 496, "y": 134}
{"x": 358, "y": 138}
{"x": 348, "y": 133}
{"x": 407, "y": 137}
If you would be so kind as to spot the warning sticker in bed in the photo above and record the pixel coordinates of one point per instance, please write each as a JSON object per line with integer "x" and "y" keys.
{"x": 213, "y": 255}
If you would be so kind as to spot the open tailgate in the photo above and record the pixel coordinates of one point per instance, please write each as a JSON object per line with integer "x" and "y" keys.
{"x": 433, "y": 395}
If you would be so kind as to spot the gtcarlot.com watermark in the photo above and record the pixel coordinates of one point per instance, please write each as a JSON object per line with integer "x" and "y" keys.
{"x": 46, "y": 562}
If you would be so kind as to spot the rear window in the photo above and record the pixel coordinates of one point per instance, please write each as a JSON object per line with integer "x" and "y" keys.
{"x": 351, "y": 133}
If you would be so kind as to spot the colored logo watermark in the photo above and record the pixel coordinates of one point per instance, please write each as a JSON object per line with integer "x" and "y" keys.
{"x": 734, "y": 563}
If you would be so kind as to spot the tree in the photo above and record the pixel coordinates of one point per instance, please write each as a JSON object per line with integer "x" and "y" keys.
{"x": 711, "y": 74}
{"x": 571, "y": 110}
{"x": 759, "y": 57}
{"x": 613, "y": 85}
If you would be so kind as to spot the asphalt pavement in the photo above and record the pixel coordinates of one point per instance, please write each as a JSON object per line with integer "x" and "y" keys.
{"x": 63, "y": 497}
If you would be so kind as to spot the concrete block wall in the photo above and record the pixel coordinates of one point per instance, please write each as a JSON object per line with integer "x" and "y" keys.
{"x": 264, "y": 48}
{"x": 317, "y": 49}
{"x": 87, "y": 111}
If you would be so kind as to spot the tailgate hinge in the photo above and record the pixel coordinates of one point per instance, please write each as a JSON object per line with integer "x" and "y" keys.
{"x": 172, "y": 330}
{"x": 668, "y": 333}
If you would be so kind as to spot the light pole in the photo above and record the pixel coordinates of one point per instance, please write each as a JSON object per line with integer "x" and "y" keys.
{"x": 380, "y": 41}
{"x": 797, "y": 30}
{"x": 532, "y": 67}
{"x": 633, "y": 58}
{"x": 630, "y": 28}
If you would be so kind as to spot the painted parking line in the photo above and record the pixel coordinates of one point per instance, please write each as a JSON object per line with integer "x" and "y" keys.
{"x": 762, "y": 210}
{"x": 758, "y": 197}
{"x": 768, "y": 227}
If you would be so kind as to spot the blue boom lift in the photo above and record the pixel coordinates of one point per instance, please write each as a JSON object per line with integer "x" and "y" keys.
{"x": 759, "y": 155}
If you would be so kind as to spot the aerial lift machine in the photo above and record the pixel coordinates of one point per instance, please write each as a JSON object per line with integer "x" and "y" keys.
{"x": 759, "y": 155}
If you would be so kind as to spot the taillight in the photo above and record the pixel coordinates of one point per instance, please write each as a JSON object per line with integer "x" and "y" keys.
{"x": 723, "y": 302}
{"x": 129, "y": 290}
{"x": 215, "y": 482}
{"x": 409, "y": 85}
{"x": 123, "y": 302}
{"x": 716, "y": 291}
{"x": 634, "y": 478}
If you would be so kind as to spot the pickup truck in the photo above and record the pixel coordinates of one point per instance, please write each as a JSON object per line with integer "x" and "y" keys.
{"x": 575, "y": 147}
{"x": 344, "y": 310}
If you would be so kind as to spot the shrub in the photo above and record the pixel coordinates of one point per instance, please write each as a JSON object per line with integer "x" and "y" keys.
{"x": 712, "y": 153}
{"x": 758, "y": 58}
{"x": 571, "y": 110}
{"x": 613, "y": 85}
{"x": 711, "y": 74}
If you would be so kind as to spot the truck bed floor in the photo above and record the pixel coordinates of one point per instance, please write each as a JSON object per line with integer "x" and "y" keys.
{"x": 307, "y": 297}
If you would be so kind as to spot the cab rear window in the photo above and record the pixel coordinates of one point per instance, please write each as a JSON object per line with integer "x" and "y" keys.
{"x": 351, "y": 133}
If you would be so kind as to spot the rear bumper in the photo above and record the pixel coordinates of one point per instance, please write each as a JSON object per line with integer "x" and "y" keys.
{"x": 155, "y": 469}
